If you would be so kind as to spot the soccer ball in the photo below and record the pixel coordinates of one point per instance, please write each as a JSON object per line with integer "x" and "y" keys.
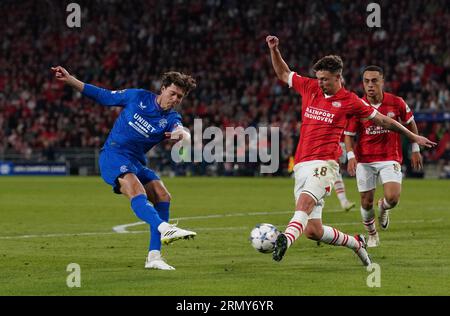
{"x": 263, "y": 237}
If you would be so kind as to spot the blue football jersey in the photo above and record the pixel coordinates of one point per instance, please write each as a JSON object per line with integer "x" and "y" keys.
{"x": 140, "y": 125}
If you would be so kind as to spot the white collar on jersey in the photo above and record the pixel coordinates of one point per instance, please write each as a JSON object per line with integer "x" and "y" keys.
{"x": 376, "y": 106}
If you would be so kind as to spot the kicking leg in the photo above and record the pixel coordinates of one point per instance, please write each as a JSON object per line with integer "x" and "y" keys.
{"x": 296, "y": 226}
{"x": 134, "y": 190}
{"x": 131, "y": 187}
{"x": 332, "y": 236}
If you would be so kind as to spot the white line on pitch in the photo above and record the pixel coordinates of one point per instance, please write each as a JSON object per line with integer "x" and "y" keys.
{"x": 198, "y": 229}
{"x": 123, "y": 228}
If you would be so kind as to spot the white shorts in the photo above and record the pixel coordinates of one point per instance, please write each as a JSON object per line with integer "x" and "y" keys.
{"x": 315, "y": 178}
{"x": 367, "y": 174}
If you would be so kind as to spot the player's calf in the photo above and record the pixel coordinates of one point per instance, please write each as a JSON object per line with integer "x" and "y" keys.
{"x": 368, "y": 219}
{"x": 357, "y": 243}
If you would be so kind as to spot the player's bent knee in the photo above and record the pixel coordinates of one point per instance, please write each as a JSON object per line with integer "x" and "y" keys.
{"x": 313, "y": 232}
{"x": 313, "y": 235}
{"x": 392, "y": 200}
{"x": 305, "y": 203}
{"x": 367, "y": 202}
{"x": 366, "y": 205}
{"x": 164, "y": 197}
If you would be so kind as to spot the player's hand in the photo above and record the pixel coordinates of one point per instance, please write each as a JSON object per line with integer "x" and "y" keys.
{"x": 423, "y": 141}
{"x": 272, "y": 41}
{"x": 61, "y": 74}
{"x": 177, "y": 135}
{"x": 416, "y": 161}
{"x": 351, "y": 167}
{"x": 172, "y": 137}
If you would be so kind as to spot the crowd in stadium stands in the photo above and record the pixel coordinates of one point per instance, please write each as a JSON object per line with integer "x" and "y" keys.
{"x": 221, "y": 43}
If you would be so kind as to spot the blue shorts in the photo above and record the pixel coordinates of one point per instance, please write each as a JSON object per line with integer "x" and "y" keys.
{"x": 113, "y": 164}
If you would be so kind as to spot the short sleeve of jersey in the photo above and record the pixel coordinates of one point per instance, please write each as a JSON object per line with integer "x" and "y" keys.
{"x": 406, "y": 115}
{"x": 363, "y": 110}
{"x": 299, "y": 83}
{"x": 351, "y": 127}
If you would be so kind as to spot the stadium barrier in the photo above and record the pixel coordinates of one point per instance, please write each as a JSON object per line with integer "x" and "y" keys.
{"x": 33, "y": 169}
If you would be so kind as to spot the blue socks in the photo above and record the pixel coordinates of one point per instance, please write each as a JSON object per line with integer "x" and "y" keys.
{"x": 145, "y": 211}
{"x": 155, "y": 237}
{"x": 153, "y": 216}
{"x": 163, "y": 210}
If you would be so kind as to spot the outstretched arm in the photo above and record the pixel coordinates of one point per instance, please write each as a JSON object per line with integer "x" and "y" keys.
{"x": 279, "y": 65}
{"x": 390, "y": 124}
{"x": 102, "y": 96}
{"x": 63, "y": 75}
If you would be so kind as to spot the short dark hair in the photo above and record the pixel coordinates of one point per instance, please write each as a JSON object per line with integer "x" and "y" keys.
{"x": 331, "y": 63}
{"x": 185, "y": 82}
{"x": 374, "y": 68}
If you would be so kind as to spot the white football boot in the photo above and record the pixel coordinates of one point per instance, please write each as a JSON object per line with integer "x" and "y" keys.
{"x": 373, "y": 241}
{"x": 362, "y": 252}
{"x": 383, "y": 219}
{"x": 347, "y": 205}
{"x": 155, "y": 261}
{"x": 173, "y": 233}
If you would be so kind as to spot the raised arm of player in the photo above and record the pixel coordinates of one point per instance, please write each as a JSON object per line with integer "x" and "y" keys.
{"x": 390, "y": 124}
{"x": 102, "y": 96}
{"x": 279, "y": 65}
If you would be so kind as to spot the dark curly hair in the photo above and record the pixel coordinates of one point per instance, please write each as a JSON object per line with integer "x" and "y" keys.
{"x": 331, "y": 63}
{"x": 185, "y": 82}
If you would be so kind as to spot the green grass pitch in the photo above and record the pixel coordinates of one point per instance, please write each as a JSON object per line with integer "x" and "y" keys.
{"x": 47, "y": 223}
